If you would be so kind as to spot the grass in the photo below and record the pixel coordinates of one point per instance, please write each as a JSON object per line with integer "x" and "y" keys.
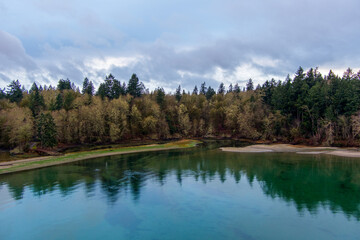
{"x": 71, "y": 157}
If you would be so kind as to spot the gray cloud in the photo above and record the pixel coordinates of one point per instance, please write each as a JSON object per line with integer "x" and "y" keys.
{"x": 224, "y": 41}
{"x": 12, "y": 53}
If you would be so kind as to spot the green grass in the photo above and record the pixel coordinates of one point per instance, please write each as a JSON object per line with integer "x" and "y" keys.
{"x": 88, "y": 154}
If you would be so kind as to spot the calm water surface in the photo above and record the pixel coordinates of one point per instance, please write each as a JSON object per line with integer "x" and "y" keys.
{"x": 199, "y": 193}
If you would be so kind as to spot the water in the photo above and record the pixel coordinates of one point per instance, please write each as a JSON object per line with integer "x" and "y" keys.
{"x": 199, "y": 193}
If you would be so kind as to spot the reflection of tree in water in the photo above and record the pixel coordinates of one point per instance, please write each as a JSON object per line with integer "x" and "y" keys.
{"x": 308, "y": 181}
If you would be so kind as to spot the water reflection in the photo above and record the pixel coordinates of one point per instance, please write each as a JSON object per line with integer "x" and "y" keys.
{"x": 310, "y": 182}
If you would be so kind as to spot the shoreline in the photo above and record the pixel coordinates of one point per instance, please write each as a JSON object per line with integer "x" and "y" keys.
{"x": 298, "y": 149}
{"x": 41, "y": 162}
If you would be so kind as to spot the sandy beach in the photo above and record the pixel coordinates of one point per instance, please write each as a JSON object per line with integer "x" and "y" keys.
{"x": 299, "y": 149}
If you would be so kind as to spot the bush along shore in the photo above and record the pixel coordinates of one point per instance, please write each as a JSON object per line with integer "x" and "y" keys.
{"x": 32, "y": 163}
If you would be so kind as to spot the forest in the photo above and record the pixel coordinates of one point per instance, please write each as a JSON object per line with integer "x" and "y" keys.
{"x": 309, "y": 108}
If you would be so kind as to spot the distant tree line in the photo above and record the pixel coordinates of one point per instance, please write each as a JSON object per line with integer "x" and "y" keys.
{"x": 310, "y": 108}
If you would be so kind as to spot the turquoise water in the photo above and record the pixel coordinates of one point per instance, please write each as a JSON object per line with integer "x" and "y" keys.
{"x": 199, "y": 193}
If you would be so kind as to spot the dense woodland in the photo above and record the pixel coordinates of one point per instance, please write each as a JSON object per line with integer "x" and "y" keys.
{"x": 310, "y": 108}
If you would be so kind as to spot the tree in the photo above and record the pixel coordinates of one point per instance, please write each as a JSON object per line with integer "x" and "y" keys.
{"x": 195, "y": 91}
{"x": 116, "y": 90}
{"x": 36, "y": 100}
{"x": 160, "y": 97}
{"x": 102, "y": 91}
{"x": 230, "y": 88}
{"x": 16, "y": 127}
{"x": 111, "y": 88}
{"x": 59, "y": 102}
{"x": 2, "y": 93}
{"x": 46, "y": 130}
{"x": 14, "y": 92}
{"x": 68, "y": 100}
{"x": 135, "y": 88}
{"x": 88, "y": 87}
{"x": 237, "y": 88}
{"x": 203, "y": 88}
{"x": 135, "y": 121}
{"x": 221, "y": 89}
{"x": 250, "y": 85}
{"x": 178, "y": 94}
{"x": 210, "y": 92}
{"x": 64, "y": 84}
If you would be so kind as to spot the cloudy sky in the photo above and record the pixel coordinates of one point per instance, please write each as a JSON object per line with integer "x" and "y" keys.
{"x": 167, "y": 43}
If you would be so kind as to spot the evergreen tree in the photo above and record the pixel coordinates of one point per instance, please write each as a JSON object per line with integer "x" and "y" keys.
{"x": 230, "y": 88}
{"x": 210, "y": 92}
{"x": 160, "y": 97}
{"x": 14, "y": 92}
{"x": 178, "y": 94}
{"x": 237, "y": 88}
{"x": 68, "y": 100}
{"x": 116, "y": 90}
{"x": 203, "y": 88}
{"x": 88, "y": 87}
{"x": 64, "y": 84}
{"x": 2, "y": 93}
{"x": 250, "y": 85}
{"x": 46, "y": 130}
{"x": 221, "y": 89}
{"x": 102, "y": 91}
{"x": 36, "y": 102}
{"x": 135, "y": 88}
{"x": 195, "y": 91}
{"x": 59, "y": 102}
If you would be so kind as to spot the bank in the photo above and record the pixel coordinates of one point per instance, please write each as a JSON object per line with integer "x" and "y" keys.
{"x": 40, "y": 162}
{"x": 299, "y": 149}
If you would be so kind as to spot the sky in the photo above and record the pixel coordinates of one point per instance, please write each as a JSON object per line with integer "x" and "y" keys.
{"x": 170, "y": 43}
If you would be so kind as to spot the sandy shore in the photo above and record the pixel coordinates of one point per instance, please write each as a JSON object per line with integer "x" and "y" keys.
{"x": 299, "y": 149}
{"x": 40, "y": 162}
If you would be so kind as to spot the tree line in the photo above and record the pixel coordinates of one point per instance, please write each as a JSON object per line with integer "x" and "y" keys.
{"x": 310, "y": 108}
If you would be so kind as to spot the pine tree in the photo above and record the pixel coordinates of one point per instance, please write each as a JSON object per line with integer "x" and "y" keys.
{"x": 59, "y": 102}
{"x": 2, "y": 93}
{"x": 14, "y": 93}
{"x": 88, "y": 87}
{"x": 46, "y": 130}
{"x": 221, "y": 89}
{"x": 64, "y": 84}
{"x": 135, "y": 88}
{"x": 102, "y": 91}
{"x": 68, "y": 100}
{"x": 178, "y": 94}
{"x": 250, "y": 85}
{"x": 210, "y": 92}
{"x": 36, "y": 102}
{"x": 116, "y": 90}
{"x": 237, "y": 88}
{"x": 160, "y": 97}
{"x": 203, "y": 88}
{"x": 230, "y": 88}
{"x": 195, "y": 91}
